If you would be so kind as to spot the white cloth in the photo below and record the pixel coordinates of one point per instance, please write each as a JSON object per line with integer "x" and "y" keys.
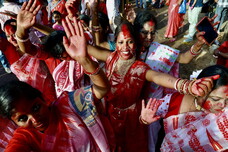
{"x": 8, "y": 6}
{"x": 194, "y": 131}
{"x": 112, "y": 7}
{"x": 193, "y": 17}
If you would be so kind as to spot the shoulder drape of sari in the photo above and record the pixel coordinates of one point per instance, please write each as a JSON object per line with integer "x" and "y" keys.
{"x": 35, "y": 72}
{"x": 79, "y": 127}
{"x": 68, "y": 76}
{"x": 196, "y": 131}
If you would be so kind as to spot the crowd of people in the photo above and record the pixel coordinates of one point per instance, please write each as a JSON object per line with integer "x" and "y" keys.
{"x": 91, "y": 78}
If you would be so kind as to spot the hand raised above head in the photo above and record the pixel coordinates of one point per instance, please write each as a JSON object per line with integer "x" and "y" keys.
{"x": 72, "y": 7}
{"x": 75, "y": 42}
{"x": 26, "y": 17}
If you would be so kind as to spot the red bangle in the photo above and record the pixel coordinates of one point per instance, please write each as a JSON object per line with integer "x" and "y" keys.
{"x": 193, "y": 53}
{"x": 95, "y": 72}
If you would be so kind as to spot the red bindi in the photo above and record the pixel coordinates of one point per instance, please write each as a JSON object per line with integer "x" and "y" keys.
{"x": 151, "y": 23}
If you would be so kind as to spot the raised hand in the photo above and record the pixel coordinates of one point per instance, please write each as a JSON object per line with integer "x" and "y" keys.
{"x": 199, "y": 35}
{"x": 75, "y": 42}
{"x": 72, "y": 7}
{"x": 203, "y": 86}
{"x": 26, "y": 17}
{"x": 148, "y": 112}
{"x": 129, "y": 14}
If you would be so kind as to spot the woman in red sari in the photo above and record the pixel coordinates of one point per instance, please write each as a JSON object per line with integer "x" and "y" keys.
{"x": 175, "y": 20}
{"x": 72, "y": 122}
{"x": 194, "y": 123}
{"x": 127, "y": 76}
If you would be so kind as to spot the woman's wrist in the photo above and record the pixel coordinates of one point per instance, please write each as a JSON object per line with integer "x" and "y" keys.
{"x": 142, "y": 121}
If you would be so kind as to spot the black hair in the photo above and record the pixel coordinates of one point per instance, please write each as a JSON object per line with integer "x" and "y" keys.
{"x": 14, "y": 91}
{"x": 216, "y": 70}
{"x": 143, "y": 17}
{"x": 104, "y": 22}
{"x": 53, "y": 43}
{"x": 9, "y": 22}
{"x": 131, "y": 30}
{"x": 57, "y": 12}
{"x": 85, "y": 18}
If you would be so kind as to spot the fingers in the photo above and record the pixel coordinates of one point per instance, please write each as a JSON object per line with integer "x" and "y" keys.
{"x": 76, "y": 26}
{"x": 81, "y": 28}
{"x": 213, "y": 18}
{"x": 215, "y": 77}
{"x": 66, "y": 28}
{"x": 28, "y": 5}
{"x": 24, "y": 5}
{"x": 65, "y": 42}
{"x": 143, "y": 104}
{"x": 37, "y": 9}
{"x": 69, "y": 24}
{"x": 204, "y": 85}
{"x": 33, "y": 6}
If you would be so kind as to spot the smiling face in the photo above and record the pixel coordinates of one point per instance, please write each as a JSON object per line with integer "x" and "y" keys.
{"x": 147, "y": 35}
{"x": 125, "y": 44}
{"x": 31, "y": 114}
{"x": 10, "y": 34}
{"x": 217, "y": 100}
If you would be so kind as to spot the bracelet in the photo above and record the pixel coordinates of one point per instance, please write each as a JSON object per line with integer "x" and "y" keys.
{"x": 193, "y": 53}
{"x": 95, "y": 72}
{"x": 142, "y": 121}
{"x": 96, "y": 28}
{"x": 20, "y": 39}
{"x": 176, "y": 82}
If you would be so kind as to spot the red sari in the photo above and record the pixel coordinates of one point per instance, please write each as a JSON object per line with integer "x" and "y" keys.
{"x": 175, "y": 19}
{"x": 75, "y": 127}
{"x": 221, "y": 60}
{"x": 124, "y": 105}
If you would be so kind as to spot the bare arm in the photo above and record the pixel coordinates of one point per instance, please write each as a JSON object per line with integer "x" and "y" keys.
{"x": 25, "y": 20}
{"x": 43, "y": 29}
{"x": 75, "y": 36}
{"x": 198, "y": 87}
{"x": 187, "y": 56}
{"x": 98, "y": 52}
{"x": 196, "y": 48}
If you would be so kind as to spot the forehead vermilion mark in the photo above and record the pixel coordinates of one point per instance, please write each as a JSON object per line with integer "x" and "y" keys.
{"x": 125, "y": 31}
{"x": 151, "y": 23}
{"x": 9, "y": 29}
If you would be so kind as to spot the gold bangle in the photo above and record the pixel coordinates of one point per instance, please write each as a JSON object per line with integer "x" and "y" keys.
{"x": 142, "y": 121}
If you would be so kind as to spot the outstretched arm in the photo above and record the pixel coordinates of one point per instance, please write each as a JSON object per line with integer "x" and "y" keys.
{"x": 199, "y": 87}
{"x": 75, "y": 36}
{"x": 25, "y": 20}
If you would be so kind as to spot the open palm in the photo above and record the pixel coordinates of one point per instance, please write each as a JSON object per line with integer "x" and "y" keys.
{"x": 75, "y": 42}
{"x": 26, "y": 17}
{"x": 148, "y": 112}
